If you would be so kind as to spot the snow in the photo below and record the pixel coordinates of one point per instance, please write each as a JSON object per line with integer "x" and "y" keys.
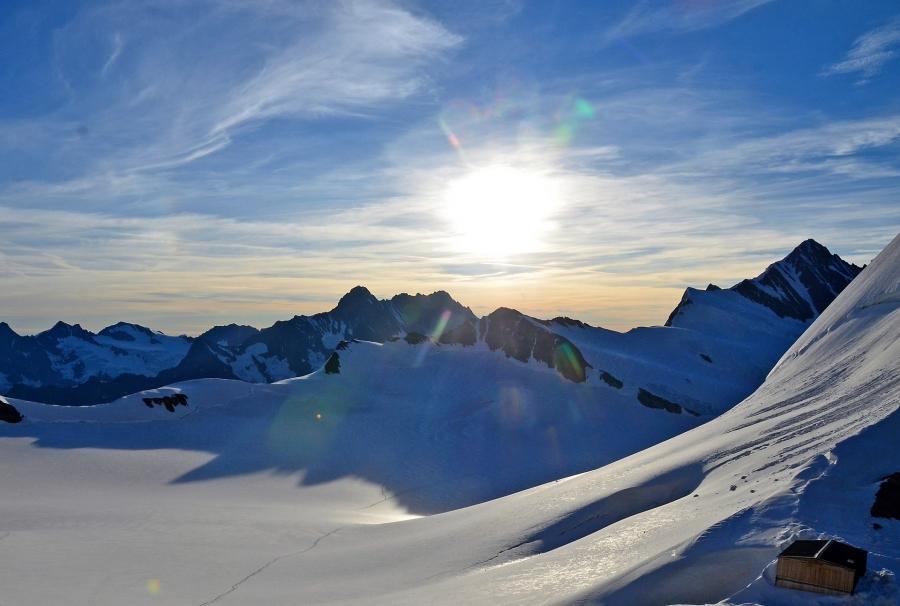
{"x": 338, "y": 332}
{"x": 142, "y": 354}
{"x": 387, "y": 445}
{"x": 669, "y": 362}
{"x": 376, "y": 485}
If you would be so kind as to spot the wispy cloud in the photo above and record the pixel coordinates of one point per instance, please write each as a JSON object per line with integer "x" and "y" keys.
{"x": 256, "y": 160}
{"x": 252, "y": 62}
{"x": 870, "y": 52}
{"x": 647, "y": 17}
{"x": 368, "y": 53}
{"x": 118, "y": 44}
{"x": 837, "y": 147}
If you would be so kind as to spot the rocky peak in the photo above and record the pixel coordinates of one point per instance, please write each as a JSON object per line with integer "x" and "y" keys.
{"x": 427, "y": 313}
{"x": 6, "y": 332}
{"x": 809, "y": 248}
{"x": 8, "y": 338}
{"x": 232, "y": 334}
{"x": 62, "y": 330}
{"x": 523, "y": 338}
{"x": 123, "y": 330}
{"x": 802, "y": 284}
{"x": 799, "y": 286}
{"x": 357, "y": 298}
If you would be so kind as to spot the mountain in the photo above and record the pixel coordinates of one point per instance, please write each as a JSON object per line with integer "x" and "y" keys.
{"x": 718, "y": 344}
{"x": 37, "y": 368}
{"x": 798, "y": 288}
{"x": 67, "y": 356}
{"x": 345, "y": 487}
{"x": 716, "y": 347}
{"x": 298, "y": 346}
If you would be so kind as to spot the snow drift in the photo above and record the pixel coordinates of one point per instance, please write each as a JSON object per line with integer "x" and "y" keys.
{"x": 695, "y": 519}
{"x": 129, "y": 503}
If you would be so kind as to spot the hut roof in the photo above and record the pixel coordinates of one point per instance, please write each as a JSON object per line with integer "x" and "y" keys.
{"x": 831, "y": 551}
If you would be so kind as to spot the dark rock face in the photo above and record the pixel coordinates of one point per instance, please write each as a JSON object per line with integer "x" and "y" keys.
{"x": 120, "y": 332}
{"x": 800, "y": 286}
{"x": 358, "y": 315}
{"x": 566, "y": 321}
{"x": 34, "y": 377}
{"x": 169, "y": 402}
{"x": 369, "y": 318}
{"x": 465, "y": 334}
{"x": 61, "y": 330}
{"x": 9, "y": 413}
{"x": 611, "y": 380}
{"x": 203, "y": 359}
{"x": 24, "y": 359}
{"x": 522, "y": 338}
{"x": 685, "y": 301}
{"x": 333, "y": 365}
{"x": 426, "y": 314}
{"x": 887, "y": 500}
{"x": 39, "y": 368}
{"x": 652, "y": 400}
{"x": 823, "y": 274}
{"x": 414, "y": 338}
{"x": 232, "y": 335}
{"x": 226, "y": 352}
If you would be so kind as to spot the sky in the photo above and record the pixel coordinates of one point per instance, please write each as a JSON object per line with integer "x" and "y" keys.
{"x": 185, "y": 163}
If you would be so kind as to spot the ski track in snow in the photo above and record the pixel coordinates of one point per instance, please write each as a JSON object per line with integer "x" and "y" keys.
{"x": 201, "y": 497}
{"x": 237, "y": 585}
{"x": 293, "y": 554}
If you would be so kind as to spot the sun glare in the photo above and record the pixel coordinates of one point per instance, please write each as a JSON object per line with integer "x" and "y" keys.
{"x": 500, "y": 211}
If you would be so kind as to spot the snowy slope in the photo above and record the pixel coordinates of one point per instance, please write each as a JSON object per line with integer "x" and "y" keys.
{"x": 440, "y": 426}
{"x": 799, "y": 287}
{"x": 125, "y": 348}
{"x": 718, "y": 344}
{"x": 702, "y": 374}
{"x": 694, "y": 519}
{"x": 274, "y": 494}
{"x": 716, "y": 349}
{"x": 245, "y": 473}
{"x": 70, "y": 365}
{"x": 68, "y": 355}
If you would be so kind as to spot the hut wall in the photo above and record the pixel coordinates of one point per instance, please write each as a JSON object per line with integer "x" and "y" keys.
{"x": 812, "y": 575}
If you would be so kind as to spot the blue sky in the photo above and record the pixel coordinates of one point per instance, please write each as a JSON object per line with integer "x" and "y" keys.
{"x": 183, "y": 163}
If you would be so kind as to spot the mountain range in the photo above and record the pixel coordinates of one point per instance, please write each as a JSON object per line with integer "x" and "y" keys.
{"x": 715, "y": 348}
{"x": 423, "y": 470}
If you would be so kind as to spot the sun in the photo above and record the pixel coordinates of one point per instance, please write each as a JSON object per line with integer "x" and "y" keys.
{"x": 499, "y": 211}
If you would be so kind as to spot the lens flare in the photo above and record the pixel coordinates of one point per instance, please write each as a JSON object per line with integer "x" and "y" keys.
{"x": 153, "y": 586}
{"x": 584, "y": 109}
{"x": 453, "y": 139}
{"x": 564, "y": 357}
{"x": 571, "y": 116}
{"x": 441, "y": 325}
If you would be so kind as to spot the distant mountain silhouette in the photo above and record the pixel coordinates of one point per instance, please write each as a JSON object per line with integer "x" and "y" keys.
{"x": 70, "y": 365}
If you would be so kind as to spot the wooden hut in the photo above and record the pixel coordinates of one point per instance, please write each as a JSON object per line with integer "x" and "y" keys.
{"x": 829, "y": 567}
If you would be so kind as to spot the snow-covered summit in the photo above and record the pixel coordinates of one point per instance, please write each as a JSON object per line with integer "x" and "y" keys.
{"x": 274, "y": 494}
{"x": 67, "y": 355}
{"x": 719, "y": 347}
{"x": 697, "y": 519}
{"x": 800, "y": 287}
